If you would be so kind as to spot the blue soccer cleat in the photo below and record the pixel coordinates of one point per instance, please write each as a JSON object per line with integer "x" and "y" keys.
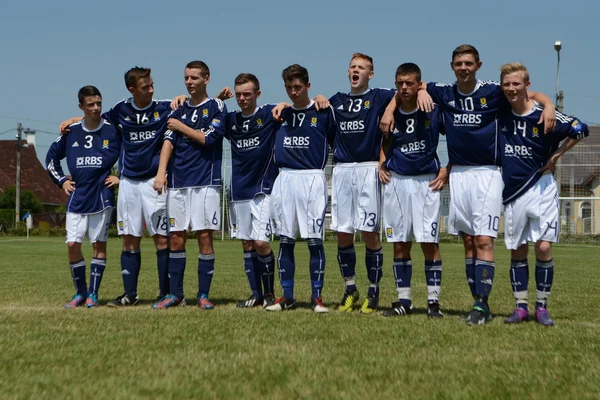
{"x": 77, "y": 300}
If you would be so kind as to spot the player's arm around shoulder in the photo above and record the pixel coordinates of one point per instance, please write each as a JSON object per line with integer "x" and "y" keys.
{"x": 548, "y": 117}
{"x": 385, "y": 175}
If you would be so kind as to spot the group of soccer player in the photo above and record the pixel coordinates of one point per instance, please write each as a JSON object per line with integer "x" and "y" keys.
{"x": 503, "y": 144}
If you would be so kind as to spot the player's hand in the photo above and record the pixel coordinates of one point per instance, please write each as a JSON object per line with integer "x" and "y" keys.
{"x": 174, "y": 124}
{"x": 111, "y": 181}
{"x": 160, "y": 183}
{"x": 424, "y": 101}
{"x": 68, "y": 186}
{"x": 225, "y": 94}
{"x": 548, "y": 117}
{"x": 550, "y": 165}
{"x": 385, "y": 176}
{"x": 440, "y": 180}
{"x": 277, "y": 110}
{"x": 321, "y": 102}
{"x": 387, "y": 123}
{"x": 178, "y": 101}
{"x": 64, "y": 126}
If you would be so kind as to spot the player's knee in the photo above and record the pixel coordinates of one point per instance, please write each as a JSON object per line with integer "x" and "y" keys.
{"x": 99, "y": 248}
{"x": 160, "y": 241}
{"x": 262, "y": 247}
{"x": 402, "y": 249}
{"x": 485, "y": 243}
{"x": 431, "y": 251}
{"x": 345, "y": 239}
{"x": 71, "y": 246}
{"x": 177, "y": 241}
{"x": 371, "y": 239}
{"x": 543, "y": 250}
{"x": 131, "y": 243}
{"x": 247, "y": 245}
{"x": 205, "y": 242}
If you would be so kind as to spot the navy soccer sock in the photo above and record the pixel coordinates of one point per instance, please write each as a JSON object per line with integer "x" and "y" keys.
{"x": 206, "y": 268}
{"x": 317, "y": 266}
{"x": 130, "y": 270}
{"x": 374, "y": 263}
{"x": 484, "y": 280}
{"x": 78, "y": 275}
{"x": 433, "y": 276}
{"x": 403, "y": 275}
{"x": 162, "y": 264}
{"x": 96, "y": 271}
{"x": 544, "y": 275}
{"x": 519, "y": 279}
{"x": 249, "y": 269}
{"x": 347, "y": 260}
{"x": 267, "y": 265}
{"x": 470, "y": 272}
{"x": 257, "y": 268}
{"x": 177, "y": 262}
{"x": 287, "y": 265}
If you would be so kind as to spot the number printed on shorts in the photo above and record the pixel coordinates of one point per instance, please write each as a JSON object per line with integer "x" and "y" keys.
{"x": 369, "y": 219}
{"x": 317, "y": 225}
{"x": 434, "y": 228}
{"x": 215, "y": 220}
{"x": 268, "y": 230}
{"x": 554, "y": 227}
{"x": 493, "y": 223}
{"x": 162, "y": 223}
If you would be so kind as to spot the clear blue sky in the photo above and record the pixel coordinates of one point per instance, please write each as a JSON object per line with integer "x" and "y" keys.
{"x": 51, "y": 49}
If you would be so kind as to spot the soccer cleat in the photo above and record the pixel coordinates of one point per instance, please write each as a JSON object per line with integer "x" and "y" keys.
{"x": 370, "y": 304}
{"x": 518, "y": 315}
{"x": 349, "y": 301}
{"x": 204, "y": 303}
{"x": 168, "y": 301}
{"x": 252, "y": 301}
{"x": 76, "y": 301}
{"x": 269, "y": 299}
{"x": 542, "y": 316}
{"x": 281, "y": 304}
{"x": 160, "y": 296}
{"x": 397, "y": 310}
{"x": 92, "y": 300}
{"x": 477, "y": 316}
{"x": 123, "y": 300}
{"x": 318, "y": 306}
{"x": 433, "y": 310}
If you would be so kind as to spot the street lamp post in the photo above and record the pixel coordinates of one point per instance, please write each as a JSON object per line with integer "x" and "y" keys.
{"x": 559, "y": 93}
{"x": 559, "y": 107}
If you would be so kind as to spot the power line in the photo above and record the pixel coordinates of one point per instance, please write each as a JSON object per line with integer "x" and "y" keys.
{"x": 30, "y": 120}
{"x": 8, "y": 131}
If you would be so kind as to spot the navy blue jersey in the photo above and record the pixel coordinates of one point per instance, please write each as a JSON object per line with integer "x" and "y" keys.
{"x": 252, "y": 138}
{"x": 526, "y": 149}
{"x": 470, "y": 121}
{"x": 90, "y": 157}
{"x": 358, "y": 137}
{"x": 414, "y": 142}
{"x": 142, "y": 131}
{"x": 302, "y": 141}
{"x": 193, "y": 164}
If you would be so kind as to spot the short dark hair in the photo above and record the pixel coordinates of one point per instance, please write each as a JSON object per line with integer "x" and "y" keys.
{"x": 87, "y": 91}
{"x": 245, "y": 78}
{"x": 295, "y": 71}
{"x": 201, "y": 65}
{"x": 465, "y": 49}
{"x": 409, "y": 68}
{"x": 134, "y": 74}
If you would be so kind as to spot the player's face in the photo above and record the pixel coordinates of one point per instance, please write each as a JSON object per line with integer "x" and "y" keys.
{"x": 297, "y": 91}
{"x": 246, "y": 96}
{"x": 143, "y": 91}
{"x": 465, "y": 67}
{"x": 408, "y": 86}
{"x": 92, "y": 107}
{"x": 195, "y": 80}
{"x": 515, "y": 87}
{"x": 359, "y": 73}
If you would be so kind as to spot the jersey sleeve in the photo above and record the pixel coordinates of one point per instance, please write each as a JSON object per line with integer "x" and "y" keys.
{"x": 112, "y": 115}
{"x": 331, "y": 126}
{"x": 216, "y": 129}
{"x": 569, "y": 127}
{"x": 56, "y": 153}
{"x": 436, "y": 91}
{"x": 169, "y": 135}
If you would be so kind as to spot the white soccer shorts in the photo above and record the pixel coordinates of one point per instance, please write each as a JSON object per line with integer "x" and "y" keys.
{"x": 94, "y": 225}
{"x": 139, "y": 203}
{"x": 475, "y": 200}
{"x": 196, "y": 208}
{"x": 411, "y": 207}
{"x": 534, "y": 215}
{"x": 298, "y": 201}
{"x": 355, "y": 197}
{"x": 252, "y": 218}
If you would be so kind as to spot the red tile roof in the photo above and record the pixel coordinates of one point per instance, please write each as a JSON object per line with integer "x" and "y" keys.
{"x": 33, "y": 175}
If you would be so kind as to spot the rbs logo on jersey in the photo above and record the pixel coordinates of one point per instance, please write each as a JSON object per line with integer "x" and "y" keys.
{"x": 352, "y": 126}
{"x": 87, "y": 162}
{"x": 413, "y": 147}
{"x": 141, "y": 136}
{"x": 517, "y": 151}
{"x": 247, "y": 143}
{"x": 467, "y": 119}
{"x": 296, "y": 141}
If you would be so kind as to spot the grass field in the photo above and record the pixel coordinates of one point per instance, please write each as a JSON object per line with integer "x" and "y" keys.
{"x": 52, "y": 353}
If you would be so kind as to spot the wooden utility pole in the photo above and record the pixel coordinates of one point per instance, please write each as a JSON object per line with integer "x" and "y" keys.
{"x": 18, "y": 185}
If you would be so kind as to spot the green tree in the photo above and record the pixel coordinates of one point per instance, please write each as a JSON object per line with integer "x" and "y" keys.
{"x": 28, "y": 200}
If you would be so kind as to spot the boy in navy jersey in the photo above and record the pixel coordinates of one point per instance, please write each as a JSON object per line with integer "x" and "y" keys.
{"x": 470, "y": 108}
{"x": 141, "y": 121}
{"x": 191, "y": 154}
{"x": 251, "y": 132}
{"x": 91, "y": 150}
{"x": 299, "y": 196}
{"x": 530, "y": 193}
{"x": 408, "y": 165}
